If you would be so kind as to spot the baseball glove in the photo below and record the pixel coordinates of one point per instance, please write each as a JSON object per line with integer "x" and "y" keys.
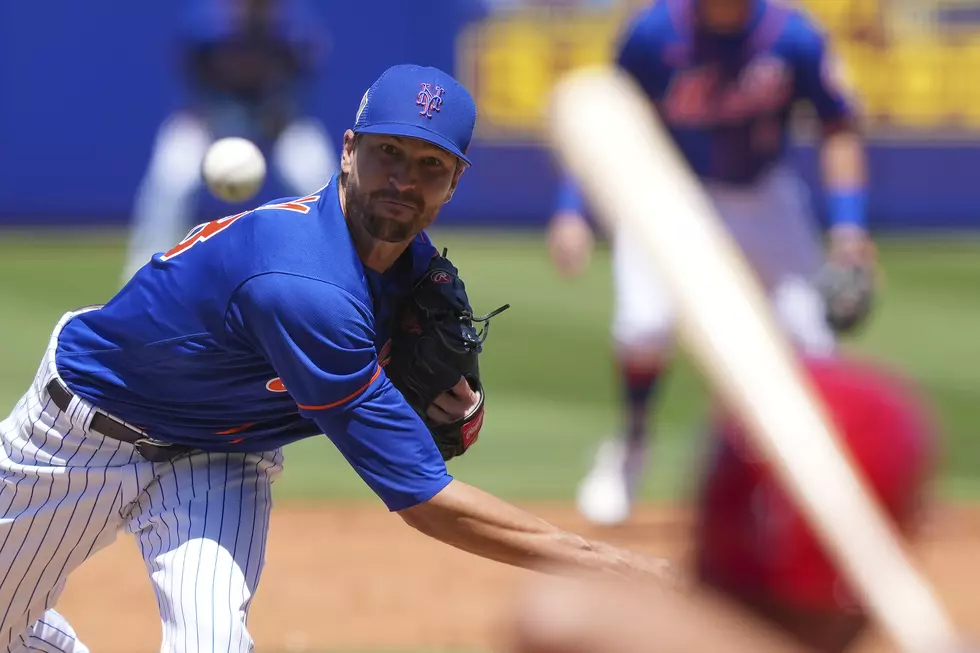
{"x": 434, "y": 342}
{"x": 848, "y": 292}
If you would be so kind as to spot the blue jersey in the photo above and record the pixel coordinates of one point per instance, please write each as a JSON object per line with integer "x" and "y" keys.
{"x": 726, "y": 99}
{"x": 257, "y": 330}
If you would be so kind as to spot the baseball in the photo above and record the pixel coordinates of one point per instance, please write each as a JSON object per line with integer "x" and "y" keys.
{"x": 234, "y": 169}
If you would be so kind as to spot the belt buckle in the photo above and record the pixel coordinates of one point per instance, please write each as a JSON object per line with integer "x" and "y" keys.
{"x": 159, "y": 452}
{"x": 151, "y": 442}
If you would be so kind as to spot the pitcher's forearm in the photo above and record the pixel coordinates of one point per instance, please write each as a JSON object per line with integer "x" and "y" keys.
{"x": 479, "y": 523}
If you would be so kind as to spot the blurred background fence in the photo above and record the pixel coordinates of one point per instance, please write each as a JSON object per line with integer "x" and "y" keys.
{"x": 86, "y": 84}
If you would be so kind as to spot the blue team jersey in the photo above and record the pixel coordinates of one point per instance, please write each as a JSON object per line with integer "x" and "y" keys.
{"x": 726, "y": 100}
{"x": 257, "y": 330}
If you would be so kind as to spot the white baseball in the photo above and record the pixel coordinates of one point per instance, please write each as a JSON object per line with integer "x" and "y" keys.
{"x": 234, "y": 169}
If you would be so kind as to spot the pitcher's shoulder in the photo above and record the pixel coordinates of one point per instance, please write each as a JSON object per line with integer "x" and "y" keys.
{"x": 304, "y": 236}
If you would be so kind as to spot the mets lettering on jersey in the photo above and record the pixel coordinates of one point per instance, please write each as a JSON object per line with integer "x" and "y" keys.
{"x": 698, "y": 97}
{"x": 727, "y": 99}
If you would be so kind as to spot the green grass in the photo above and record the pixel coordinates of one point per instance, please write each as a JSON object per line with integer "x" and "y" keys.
{"x": 547, "y": 365}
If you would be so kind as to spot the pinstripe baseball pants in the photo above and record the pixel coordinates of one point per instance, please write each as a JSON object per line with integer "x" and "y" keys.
{"x": 65, "y": 492}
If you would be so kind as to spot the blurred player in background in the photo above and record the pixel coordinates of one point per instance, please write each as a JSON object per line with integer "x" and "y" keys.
{"x": 247, "y": 64}
{"x": 724, "y": 76}
{"x": 763, "y": 583}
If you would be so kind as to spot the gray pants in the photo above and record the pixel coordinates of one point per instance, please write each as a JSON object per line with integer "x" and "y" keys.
{"x": 772, "y": 223}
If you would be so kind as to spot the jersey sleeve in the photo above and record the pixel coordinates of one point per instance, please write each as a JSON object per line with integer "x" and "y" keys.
{"x": 640, "y": 53}
{"x": 820, "y": 78}
{"x": 569, "y": 197}
{"x": 319, "y": 339}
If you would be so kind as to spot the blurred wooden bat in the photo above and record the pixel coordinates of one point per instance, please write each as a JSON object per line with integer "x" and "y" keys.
{"x": 629, "y": 169}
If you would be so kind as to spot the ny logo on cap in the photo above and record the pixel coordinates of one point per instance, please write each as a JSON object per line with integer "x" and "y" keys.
{"x": 429, "y": 101}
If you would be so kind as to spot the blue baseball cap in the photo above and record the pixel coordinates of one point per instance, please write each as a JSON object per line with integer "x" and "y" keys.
{"x": 419, "y": 102}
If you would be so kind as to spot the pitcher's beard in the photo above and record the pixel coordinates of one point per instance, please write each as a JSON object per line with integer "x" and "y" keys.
{"x": 389, "y": 230}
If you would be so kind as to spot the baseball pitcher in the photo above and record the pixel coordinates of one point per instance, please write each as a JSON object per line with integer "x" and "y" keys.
{"x": 164, "y": 412}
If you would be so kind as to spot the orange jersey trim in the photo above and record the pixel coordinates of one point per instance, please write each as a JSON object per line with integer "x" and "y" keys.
{"x": 236, "y": 429}
{"x": 353, "y": 395}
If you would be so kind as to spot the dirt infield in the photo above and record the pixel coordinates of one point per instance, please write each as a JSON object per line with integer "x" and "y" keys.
{"x": 348, "y": 577}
